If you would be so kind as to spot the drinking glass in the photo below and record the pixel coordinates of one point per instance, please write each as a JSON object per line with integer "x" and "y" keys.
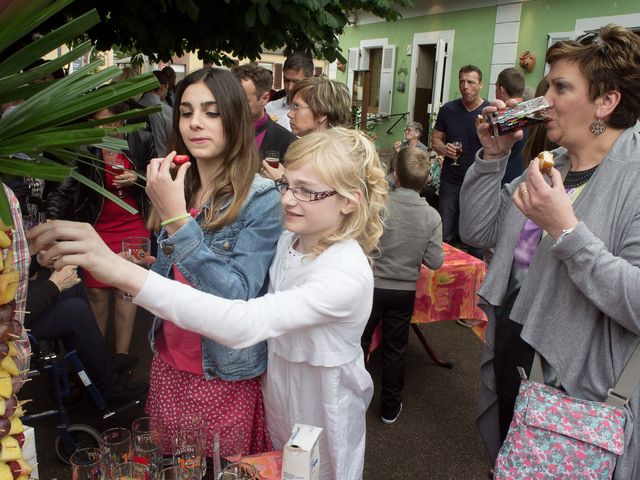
{"x": 136, "y": 250}
{"x": 143, "y": 428}
{"x": 227, "y": 446}
{"x": 146, "y": 452}
{"x": 118, "y": 168}
{"x": 86, "y": 464}
{"x": 239, "y": 471}
{"x": 173, "y": 473}
{"x": 272, "y": 157}
{"x": 188, "y": 452}
{"x": 458, "y": 146}
{"x": 132, "y": 471}
{"x": 116, "y": 449}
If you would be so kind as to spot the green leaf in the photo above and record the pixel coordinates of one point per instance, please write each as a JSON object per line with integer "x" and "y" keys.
{"x": 102, "y": 191}
{"x": 250, "y": 16}
{"x": 25, "y": 16}
{"x": 26, "y": 168}
{"x": 5, "y": 209}
{"x": 11, "y": 82}
{"x": 49, "y": 42}
{"x": 263, "y": 13}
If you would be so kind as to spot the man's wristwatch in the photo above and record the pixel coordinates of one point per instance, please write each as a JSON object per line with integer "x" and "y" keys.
{"x": 564, "y": 233}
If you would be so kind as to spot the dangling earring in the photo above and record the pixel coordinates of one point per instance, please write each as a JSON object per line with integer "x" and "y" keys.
{"x": 598, "y": 127}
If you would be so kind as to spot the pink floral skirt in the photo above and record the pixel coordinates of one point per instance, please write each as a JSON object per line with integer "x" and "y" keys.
{"x": 173, "y": 393}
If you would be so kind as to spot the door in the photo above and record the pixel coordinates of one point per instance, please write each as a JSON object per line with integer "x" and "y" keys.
{"x": 438, "y": 77}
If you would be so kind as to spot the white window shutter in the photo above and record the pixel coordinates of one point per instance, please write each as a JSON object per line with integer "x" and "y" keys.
{"x": 386, "y": 79}
{"x": 353, "y": 63}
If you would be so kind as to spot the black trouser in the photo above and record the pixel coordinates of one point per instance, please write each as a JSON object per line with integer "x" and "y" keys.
{"x": 394, "y": 308}
{"x": 71, "y": 320}
{"x": 510, "y": 352}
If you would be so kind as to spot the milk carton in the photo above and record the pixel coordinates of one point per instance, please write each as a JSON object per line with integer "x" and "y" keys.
{"x": 301, "y": 455}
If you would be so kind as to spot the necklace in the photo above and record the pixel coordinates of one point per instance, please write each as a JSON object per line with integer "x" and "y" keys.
{"x": 576, "y": 179}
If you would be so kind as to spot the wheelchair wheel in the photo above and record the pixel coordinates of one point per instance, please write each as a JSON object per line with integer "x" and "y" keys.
{"x": 82, "y": 435}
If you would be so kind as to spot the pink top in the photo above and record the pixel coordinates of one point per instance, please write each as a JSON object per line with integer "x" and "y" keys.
{"x": 260, "y": 126}
{"x": 180, "y": 348}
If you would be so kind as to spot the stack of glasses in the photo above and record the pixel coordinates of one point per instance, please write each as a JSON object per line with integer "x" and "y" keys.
{"x": 136, "y": 454}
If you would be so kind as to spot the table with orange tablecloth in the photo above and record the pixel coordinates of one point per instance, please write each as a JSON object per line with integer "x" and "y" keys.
{"x": 448, "y": 293}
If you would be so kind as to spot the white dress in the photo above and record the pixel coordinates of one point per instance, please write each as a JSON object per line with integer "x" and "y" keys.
{"x": 313, "y": 318}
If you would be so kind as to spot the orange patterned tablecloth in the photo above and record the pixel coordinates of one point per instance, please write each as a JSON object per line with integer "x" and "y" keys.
{"x": 269, "y": 464}
{"x": 451, "y": 291}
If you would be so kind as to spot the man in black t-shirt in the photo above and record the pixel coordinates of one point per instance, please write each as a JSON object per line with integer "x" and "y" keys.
{"x": 457, "y": 122}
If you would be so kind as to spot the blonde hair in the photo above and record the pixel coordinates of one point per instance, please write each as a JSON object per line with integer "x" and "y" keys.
{"x": 348, "y": 162}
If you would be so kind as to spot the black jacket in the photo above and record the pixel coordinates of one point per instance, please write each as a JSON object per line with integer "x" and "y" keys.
{"x": 75, "y": 201}
{"x": 276, "y": 138}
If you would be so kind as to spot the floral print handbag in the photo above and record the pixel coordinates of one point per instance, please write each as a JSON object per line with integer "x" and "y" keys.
{"x": 555, "y": 436}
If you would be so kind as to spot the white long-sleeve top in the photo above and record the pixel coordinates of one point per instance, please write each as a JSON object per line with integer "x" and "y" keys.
{"x": 313, "y": 316}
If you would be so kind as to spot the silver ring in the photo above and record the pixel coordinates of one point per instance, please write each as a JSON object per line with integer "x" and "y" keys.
{"x": 524, "y": 192}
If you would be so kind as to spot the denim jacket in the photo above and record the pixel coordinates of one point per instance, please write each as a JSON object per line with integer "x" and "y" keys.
{"x": 231, "y": 262}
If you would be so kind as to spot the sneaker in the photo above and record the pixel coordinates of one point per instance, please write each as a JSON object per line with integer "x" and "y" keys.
{"x": 125, "y": 362}
{"x": 389, "y": 419}
{"x": 127, "y": 390}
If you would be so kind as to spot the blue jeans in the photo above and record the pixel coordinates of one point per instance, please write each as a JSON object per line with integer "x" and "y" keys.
{"x": 449, "y": 207}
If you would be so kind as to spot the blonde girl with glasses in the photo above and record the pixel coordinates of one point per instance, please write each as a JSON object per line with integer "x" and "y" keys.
{"x": 321, "y": 285}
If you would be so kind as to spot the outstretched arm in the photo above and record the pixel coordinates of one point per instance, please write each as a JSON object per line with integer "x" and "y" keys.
{"x": 71, "y": 243}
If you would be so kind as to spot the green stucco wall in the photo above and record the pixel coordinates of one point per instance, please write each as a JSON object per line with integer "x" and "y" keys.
{"x": 473, "y": 42}
{"x": 542, "y": 16}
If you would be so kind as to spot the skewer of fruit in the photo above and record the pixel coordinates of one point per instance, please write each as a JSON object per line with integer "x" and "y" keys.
{"x": 12, "y": 464}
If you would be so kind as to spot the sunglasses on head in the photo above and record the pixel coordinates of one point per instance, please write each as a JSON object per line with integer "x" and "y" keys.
{"x": 592, "y": 38}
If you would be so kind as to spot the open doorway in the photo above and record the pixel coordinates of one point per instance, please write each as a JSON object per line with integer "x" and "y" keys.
{"x": 430, "y": 75}
{"x": 424, "y": 86}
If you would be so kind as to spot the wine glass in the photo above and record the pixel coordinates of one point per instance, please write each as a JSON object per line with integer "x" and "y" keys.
{"x": 458, "y": 146}
{"x": 136, "y": 250}
{"x": 272, "y": 157}
{"x": 118, "y": 168}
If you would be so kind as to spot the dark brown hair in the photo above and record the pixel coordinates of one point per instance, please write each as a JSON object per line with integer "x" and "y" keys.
{"x": 240, "y": 162}
{"x": 261, "y": 77}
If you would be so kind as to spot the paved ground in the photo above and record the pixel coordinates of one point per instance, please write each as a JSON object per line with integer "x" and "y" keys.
{"x": 434, "y": 438}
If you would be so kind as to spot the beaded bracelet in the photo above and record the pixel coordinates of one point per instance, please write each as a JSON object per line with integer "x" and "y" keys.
{"x": 168, "y": 221}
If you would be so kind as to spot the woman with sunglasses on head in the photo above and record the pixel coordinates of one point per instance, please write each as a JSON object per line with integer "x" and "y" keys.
{"x": 218, "y": 224}
{"x": 119, "y": 173}
{"x": 317, "y": 104}
{"x": 565, "y": 277}
{"x": 320, "y": 293}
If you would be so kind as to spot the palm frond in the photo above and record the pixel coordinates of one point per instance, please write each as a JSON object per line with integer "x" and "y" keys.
{"x": 52, "y": 119}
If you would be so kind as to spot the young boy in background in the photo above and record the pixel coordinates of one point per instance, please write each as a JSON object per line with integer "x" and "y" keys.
{"x": 412, "y": 236}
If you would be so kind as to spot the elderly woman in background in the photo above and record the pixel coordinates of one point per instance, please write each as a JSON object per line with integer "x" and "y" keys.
{"x": 412, "y": 134}
{"x": 562, "y": 242}
{"x": 317, "y": 103}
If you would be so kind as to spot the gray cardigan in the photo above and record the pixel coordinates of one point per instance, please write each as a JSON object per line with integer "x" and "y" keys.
{"x": 412, "y": 235}
{"x": 580, "y": 301}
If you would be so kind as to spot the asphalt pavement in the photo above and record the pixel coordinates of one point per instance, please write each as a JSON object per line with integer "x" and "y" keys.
{"x": 434, "y": 437}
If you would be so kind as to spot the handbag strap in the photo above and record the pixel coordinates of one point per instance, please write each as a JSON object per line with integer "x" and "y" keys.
{"x": 617, "y": 396}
